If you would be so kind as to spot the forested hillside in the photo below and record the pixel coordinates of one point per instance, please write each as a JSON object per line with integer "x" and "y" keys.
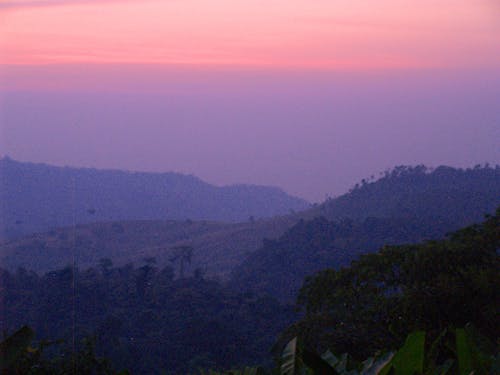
{"x": 39, "y": 197}
{"x": 279, "y": 266}
{"x": 434, "y": 286}
{"x": 406, "y": 205}
{"x": 458, "y": 196}
{"x": 143, "y": 319}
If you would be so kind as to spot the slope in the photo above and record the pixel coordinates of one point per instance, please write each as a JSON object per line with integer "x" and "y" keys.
{"x": 217, "y": 247}
{"x": 461, "y": 196}
{"x": 38, "y": 197}
{"x": 406, "y": 205}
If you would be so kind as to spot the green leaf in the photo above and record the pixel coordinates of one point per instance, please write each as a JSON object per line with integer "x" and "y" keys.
{"x": 373, "y": 366}
{"x": 410, "y": 358}
{"x": 289, "y": 358}
{"x": 433, "y": 352}
{"x": 330, "y": 358}
{"x": 248, "y": 371}
{"x": 482, "y": 349}
{"x": 251, "y": 371}
{"x": 14, "y": 346}
{"x": 342, "y": 365}
{"x": 464, "y": 354}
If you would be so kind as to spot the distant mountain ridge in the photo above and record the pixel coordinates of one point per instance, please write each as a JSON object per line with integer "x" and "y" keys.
{"x": 460, "y": 195}
{"x": 407, "y": 204}
{"x": 37, "y": 197}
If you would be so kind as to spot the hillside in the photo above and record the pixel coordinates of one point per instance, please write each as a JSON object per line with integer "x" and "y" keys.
{"x": 461, "y": 196}
{"x": 406, "y": 205}
{"x": 432, "y": 286}
{"x": 438, "y": 205}
{"x": 218, "y": 247}
{"x": 279, "y": 266}
{"x": 148, "y": 321}
{"x": 38, "y": 197}
{"x": 142, "y": 319}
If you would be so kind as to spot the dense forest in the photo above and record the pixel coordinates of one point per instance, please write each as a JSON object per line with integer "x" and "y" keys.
{"x": 143, "y": 318}
{"x": 405, "y": 205}
{"x": 382, "y": 297}
{"x": 148, "y": 320}
{"x": 365, "y": 274}
{"x": 460, "y": 196}
{"x": 279, "y": 266}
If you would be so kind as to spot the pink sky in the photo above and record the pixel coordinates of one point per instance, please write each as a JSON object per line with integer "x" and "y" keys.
{"x": 308, "y": 95}
{"x": 339, "y": 34}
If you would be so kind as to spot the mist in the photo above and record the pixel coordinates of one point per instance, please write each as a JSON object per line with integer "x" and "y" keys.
{"x": 312, "y": 134}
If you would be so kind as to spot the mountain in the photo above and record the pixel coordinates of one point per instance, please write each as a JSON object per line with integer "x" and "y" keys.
{"x": 409, "y": 204}
{"x": 462, "y": 196}
{"x": 39, "y": 197}
{"x": 406, "y": 205}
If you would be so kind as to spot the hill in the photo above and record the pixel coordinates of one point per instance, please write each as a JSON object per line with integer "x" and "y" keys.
{"x": 433, "y": 286}
{"x": 145, "y": 319}
{"x": 279, "y": 266}
{"x": 217, "y": 247}
{"x": 39, "y": 197}
{"x": 406, "y": 205}
{"x": 461, "y": 196}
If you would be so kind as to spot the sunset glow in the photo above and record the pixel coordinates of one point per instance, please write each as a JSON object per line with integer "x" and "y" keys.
{"x": 284, "y": 33}
{"x": 308, "y": 95}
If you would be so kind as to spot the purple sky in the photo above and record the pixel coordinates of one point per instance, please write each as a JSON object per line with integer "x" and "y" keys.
{"x": 313, "y": 134}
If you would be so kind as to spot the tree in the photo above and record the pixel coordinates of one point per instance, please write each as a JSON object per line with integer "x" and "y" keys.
{"x": 382, "y": 297}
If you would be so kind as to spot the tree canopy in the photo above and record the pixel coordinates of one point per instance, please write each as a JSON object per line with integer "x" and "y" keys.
{"x": 382, "y": 297}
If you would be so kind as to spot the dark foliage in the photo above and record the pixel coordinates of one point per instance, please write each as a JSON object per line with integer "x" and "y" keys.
{"x": 457, "y": 196}
{"x": 279, "y": 267}
{"x": 20, "y": 355}
{"x": 405, "y": 205}
{"x": 381, "y": 297}
{"x": 142, "y": 318}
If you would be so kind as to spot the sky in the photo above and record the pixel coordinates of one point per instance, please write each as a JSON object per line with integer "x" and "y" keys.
{"x": 310, "y": 96}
